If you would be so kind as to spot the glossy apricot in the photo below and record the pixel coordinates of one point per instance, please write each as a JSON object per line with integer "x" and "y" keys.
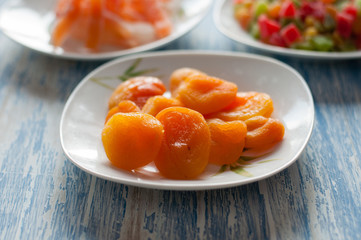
{"x": 157, "y": 103}
{"x": 184, "y": 151}
{"x": 125, "y": 106}
{"x": 138, "y": 90}
{"x": 179, "y": 76}
{"x": 245, "y": 106}
{"x": 227, "y": 140}
{"x": 262, "y": 131}
{"x": 132, "y": 140}
{"x": 206, "y": 94}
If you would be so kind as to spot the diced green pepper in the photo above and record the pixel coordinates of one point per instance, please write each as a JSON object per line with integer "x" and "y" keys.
{"x": 322, "y": 43}
{"x": 297, "y": 3}
{"x": 340, "y": 5}
{"x": 255, "y": 31}
{"x": 260, "y": 8}
{"x": 358, "y": 6}
{"x": 305, "y": 45}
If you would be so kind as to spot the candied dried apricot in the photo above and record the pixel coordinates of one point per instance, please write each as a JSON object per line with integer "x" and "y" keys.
{"x": 245, "y": 106}
{"x": 178, "y": 76}
{"x": 205, "y": 121}
{"x": 125, "y": 106}
{"x": 157, "y": 103}
{"x": 206, "y": 94}
{"x": 262, "y": 131}
{"x": 138, "y": 90}
{"x": 186, "y": 143}
{"x": 227, "y": 140}
{"x": 132, "y": 140}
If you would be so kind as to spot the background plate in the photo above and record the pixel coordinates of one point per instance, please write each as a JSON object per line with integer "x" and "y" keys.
{"x": 226, "y": 24}
{"x": 29, "y": 22}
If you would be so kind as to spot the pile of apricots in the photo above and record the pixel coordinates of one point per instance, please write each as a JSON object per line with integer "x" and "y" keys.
{"x": 206, "y": 120}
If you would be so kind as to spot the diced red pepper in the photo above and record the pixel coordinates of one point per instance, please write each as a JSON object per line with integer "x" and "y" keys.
{"x": 344, "y": 24}
{"x": 351, "y": 10}
{"x": 290, "y": 34}
{"x": 267, "y": 27}
{"x": 319, "y": 10}
{"x": 305, "y": 9}
{"x": 315, "y": 9}
{"x": 288, "y": 10}
{"x": 277, "y": 40}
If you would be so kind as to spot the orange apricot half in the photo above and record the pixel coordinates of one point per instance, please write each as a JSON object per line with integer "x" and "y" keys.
{"x": 227, "y": 140}
{"x": 206, "y": 94}
{"x": 178, "y": 76}
{"x": 157, "y": 103}
{"x": 245, "y": 106}
{"x": 125, "y": 106}
{"x": 186, "y": 143}
{"x": 132, "y": 140}
{"x": 263, "y": 131}
{"x": 138, "y": 90}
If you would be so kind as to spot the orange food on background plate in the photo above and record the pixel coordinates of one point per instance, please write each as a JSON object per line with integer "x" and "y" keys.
{"x": 138, "y": 90}
{"x": 97, "y": 25}
{"x": 132, "y": 140}
{"x": 186, "y": 143}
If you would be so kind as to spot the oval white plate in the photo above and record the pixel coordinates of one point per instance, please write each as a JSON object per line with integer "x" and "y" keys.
{"x": 84, "y": 113}
{"x": 226, "y": 24}
{"x": 29, "y": 22}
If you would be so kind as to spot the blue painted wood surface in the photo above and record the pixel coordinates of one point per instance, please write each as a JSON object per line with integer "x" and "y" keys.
{"x": 44, "y": 196}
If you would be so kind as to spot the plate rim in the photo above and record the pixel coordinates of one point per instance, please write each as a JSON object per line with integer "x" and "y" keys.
{"x": 112, "y": 54}
{"x": 275, "y": 49}
{"x": 178, "y": 185}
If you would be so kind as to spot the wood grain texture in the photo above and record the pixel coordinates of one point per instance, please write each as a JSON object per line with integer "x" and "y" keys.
{"x": 44, "y": 196}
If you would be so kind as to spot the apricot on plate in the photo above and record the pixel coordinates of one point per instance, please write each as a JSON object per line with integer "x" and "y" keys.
{"x": 180, "y": 75}
{"x": 125, "y": 106}
{"x": 206, "y": 94}
{"x": 263, "y": 131}
{"x": 138, "y": 90}
{"x": 184, "y": 151}
{"x": 245, "y": 106}
{"x": 132, "y": 140}
{"x": 227, "y": 140}
{"x": 157, "y": 103}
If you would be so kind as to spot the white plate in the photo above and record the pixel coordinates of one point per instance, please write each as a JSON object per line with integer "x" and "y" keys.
{"x": 84, "y": 113}
{"x": 226, "y": 24}
{"x": 29, "y": 22}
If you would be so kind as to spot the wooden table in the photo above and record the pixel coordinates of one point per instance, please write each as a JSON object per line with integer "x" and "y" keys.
{"x": 44, "y": 196}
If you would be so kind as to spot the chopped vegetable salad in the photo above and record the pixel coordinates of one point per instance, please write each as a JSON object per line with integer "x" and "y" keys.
{"x": 323, "y": 25}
